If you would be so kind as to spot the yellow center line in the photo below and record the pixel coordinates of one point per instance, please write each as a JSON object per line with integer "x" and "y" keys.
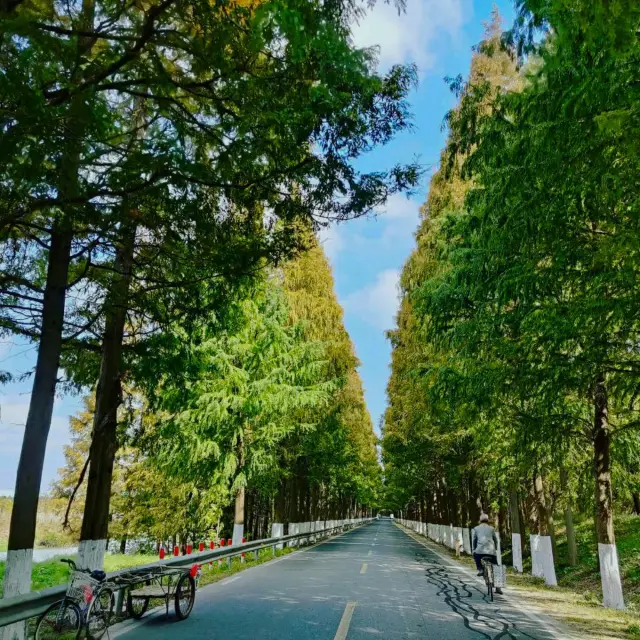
{"x": 343, "y": 628}
{"x": 364, "y": 568}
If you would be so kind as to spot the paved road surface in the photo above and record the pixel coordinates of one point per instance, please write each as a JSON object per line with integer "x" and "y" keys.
{"x": 373, "y": 582}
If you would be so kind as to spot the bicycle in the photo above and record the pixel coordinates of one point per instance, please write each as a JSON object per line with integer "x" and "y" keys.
{"x": 489, "y": 578}
{"x": 86, "y": 606}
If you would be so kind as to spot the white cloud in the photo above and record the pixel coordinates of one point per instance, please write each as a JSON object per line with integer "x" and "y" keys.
{"x": 332, "y": 241}
{"x": 408, "y": 37}
{"x": 377, "y": 303}
{"x": 398, "y": 220}
{"x": 13, "y": 417}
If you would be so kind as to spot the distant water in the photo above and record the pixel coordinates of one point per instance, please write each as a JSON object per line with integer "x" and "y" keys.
{"x": 40, "y": 555}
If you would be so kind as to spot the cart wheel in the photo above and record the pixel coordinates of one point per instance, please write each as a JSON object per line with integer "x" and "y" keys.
{"x": 185, "y": 596}
{"x": 137, "y": 606}
{"x": 60, "y": 621}
{"x": 99, "y": 614}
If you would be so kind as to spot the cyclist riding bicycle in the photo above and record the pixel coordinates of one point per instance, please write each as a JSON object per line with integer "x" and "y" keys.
{"x": 485, "y": 544}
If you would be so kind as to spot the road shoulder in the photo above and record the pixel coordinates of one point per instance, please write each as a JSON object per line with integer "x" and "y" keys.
{"x": 560, "y": 614}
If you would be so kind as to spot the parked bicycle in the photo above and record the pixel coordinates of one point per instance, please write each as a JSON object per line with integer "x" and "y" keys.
{"x": 86, "y": 607}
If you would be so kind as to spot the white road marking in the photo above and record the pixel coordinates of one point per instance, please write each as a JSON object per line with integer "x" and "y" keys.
{"x": 343, "y": 628}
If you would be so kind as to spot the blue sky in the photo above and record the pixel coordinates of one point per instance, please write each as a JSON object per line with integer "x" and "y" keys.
{"x": 366, "y": 254}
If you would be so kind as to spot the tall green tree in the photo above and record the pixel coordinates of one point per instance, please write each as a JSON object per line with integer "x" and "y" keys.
{"x": 292, "y": 125}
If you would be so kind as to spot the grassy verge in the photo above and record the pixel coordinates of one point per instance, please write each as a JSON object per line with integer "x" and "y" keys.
{"x": 573, "y": 602}
{"x": 215, "y": 572}
{"x": 53, "y": 572}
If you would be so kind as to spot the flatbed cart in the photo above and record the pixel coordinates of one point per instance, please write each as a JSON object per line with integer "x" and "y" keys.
{"x": 177, "y": 584}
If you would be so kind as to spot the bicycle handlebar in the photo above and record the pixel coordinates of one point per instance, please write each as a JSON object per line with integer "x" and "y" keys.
{"x": 72, "y": 565}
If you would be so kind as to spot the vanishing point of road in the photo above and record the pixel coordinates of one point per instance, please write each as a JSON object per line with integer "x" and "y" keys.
{"x": 372, "y": 582}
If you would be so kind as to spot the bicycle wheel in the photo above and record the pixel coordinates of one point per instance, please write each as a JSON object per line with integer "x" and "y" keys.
{"x": 488, "y": 577}
{"x": 185, "y": 596}
{"x": 137, "y": 606}
{"x": 60, "y": 621}
{"x": 99, "y": 614}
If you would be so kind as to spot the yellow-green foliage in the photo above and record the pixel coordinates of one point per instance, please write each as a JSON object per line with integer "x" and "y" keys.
{"x": 351, "y": 467}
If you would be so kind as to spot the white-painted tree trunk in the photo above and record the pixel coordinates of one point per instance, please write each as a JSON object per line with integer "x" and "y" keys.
{"x": 516, "y": 551}
{"x": 542, "y": 565}
{"x": 17, "y": 580}
{"x": 91, "y": 554}
{"x": 466, "y": 540}
{"x": 238, "y": 534}
{"x": 277, "y": 531}
{"x": 610, "y": 575}
{"x": 294, "y": 529}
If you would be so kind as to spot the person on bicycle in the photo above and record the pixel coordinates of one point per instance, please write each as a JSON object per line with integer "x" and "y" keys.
{"x": 484, "y": 544}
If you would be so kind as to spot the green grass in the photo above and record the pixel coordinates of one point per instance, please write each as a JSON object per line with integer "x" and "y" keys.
{"x": 53, "y": 572}
{"x": 215, "y": 572}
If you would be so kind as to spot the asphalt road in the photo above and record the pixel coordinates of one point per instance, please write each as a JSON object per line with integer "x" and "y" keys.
{"x": 373, "y": 582}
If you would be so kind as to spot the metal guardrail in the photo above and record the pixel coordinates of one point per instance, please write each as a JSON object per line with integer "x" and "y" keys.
{"x": 32, "y": 604}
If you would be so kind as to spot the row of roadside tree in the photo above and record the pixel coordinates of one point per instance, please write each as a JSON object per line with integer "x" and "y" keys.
{"x": 260, "y": 418}
{"x": 161, "y": 161}
{"x": 516, "y": 361}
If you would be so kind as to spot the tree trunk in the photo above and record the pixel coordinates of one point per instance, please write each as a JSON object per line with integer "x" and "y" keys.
{"x": 474, "y": 509}
{"x": 17, "y": 579}
{"x": 238, "y": 518}
{"x": 104, "y": 441}
{"x": 607, "y": 552}
{"x": 572, "y": 549}
{"x": 517, "y": 531}
{"x": 280, "y": 503}
{"x": 239, "y": 508}
{"x": 542, "y": 517}
{"x": 636, "y": 503}
{"x": 541, "y": 548}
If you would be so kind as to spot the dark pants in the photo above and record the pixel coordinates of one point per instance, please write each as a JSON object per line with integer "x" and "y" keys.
{"x": 478, "y": 557}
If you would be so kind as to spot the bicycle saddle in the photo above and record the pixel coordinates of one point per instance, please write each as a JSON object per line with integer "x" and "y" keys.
{"x": 98, "y": 575}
